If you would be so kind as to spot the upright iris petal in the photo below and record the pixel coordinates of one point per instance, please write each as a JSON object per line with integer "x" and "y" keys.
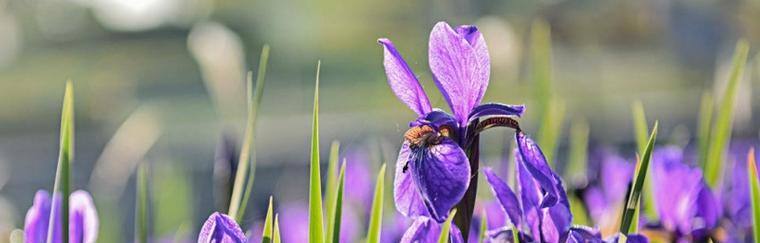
{"x": 83, "y": 219}
{"x": 461, "y": 66}
{"x": 402, "y": 80}
{"x": 220, "y": 228}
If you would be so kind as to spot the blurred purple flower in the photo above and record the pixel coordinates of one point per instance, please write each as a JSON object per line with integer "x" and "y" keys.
{"x": 220, "y": 228}
{"x": 294, "y": 218}
{"x": 434, "y": 148}
{"x": 83, "y": 218}
{"x": 358, "y": 178}
{"x": 606, "y": 197}
{"x": 735, "y": 193}
{"x": 686, "y": 205}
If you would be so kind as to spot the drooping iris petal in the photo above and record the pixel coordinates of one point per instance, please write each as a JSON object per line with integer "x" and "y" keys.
{"x": 426, "y": 230}
{"x": 505, "y": 196}
{"x": 220, "y": 228}
{"x": 37, "y": 218}
{"x": 405, "y": 192}
{"x": 557, "y": 219}
{"x": 402, "y": 80}
{"x": 535, "y": 163}
{"x": 495, "y": 109}
{"x": 461, "y": 66}
{"x": 442, "y": 175}
{"x": 83, "y": 219}
{"x": 530, "y": 196}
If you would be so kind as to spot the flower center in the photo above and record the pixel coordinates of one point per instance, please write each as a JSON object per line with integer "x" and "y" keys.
{"x": 423, "y": 136}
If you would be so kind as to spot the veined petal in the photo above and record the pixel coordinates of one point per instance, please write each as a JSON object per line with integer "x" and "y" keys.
{"x": 442, "y": 174}
{"x": 535, "y": 163}
{"x": 461, "y": 66}
{"x": 220, "y": 228}
{"x": 583, "y": 234}
{"x": 530, "y": 196}
{"x": 504, "y": 235}
{"x": 83, "y": 218}
{"x": 37, "y": 218}
{"x": 495, "y": 109}
{"x": 405, "y": 192}
{"x": 402, "y": 80}
{"x": 557, "y": 220}
{"x": 505, "y": 196}
{"x": 426, "y": 230}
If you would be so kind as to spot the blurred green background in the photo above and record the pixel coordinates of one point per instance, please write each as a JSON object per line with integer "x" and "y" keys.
{"x": 160, "y": 81}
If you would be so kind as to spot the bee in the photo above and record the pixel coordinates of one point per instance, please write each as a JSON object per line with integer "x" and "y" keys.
{"x": 423, "y": 136}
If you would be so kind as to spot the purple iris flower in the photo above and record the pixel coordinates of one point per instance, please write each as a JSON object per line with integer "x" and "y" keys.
{"x": 426, "y": 230}
{"x": 606, "y": 197}
{"x": 433, "y": 170}
{"x": 220, "y": 228}
{"x": 686, "y": 205}
{"x": 83, "y": 218}
{"x": 541, "y": 210}
{"x": 735, "y": 194}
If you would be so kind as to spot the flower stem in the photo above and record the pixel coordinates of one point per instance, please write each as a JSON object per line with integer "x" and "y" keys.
{"x": 466, "y": 206}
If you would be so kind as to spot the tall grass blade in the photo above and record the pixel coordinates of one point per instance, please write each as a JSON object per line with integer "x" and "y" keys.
{"x": 703, "y": 134}
{"x": 332, "y": 181}
{"x": 641, "y": 129}
{"x": 276, "y": 234}
{"x": 376, "y": 215}
{"x": 336, "y": 204}
{"x": 62, "y": 183}
{"x": 754, "y": 186}
{"x": 579, "y": 132}
{"x": 316, "y": 228}
{"x": 638, "y": 184}
{"x": 551, "y": 129}
{"x": 550, "y": 109}
{"x": 239, "y": 198}
{"x": 446, "y": 227}
{"x": 266, "y": 236}
{"x": 141, "y": 209}
{"x": 721, "y": 132}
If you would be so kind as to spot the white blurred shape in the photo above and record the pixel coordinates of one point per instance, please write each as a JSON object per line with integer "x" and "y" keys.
{"x": 219, "y": 53}
{"x": 132, "y": 140}
{"x": 10, "y": 39}
{"x": 503, "y": 44}
{"x": 134, "y": 15}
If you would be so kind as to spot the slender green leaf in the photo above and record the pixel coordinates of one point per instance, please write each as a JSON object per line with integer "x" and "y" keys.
{"x": 579, "y": 131}
{"x": 276, "y": 234}
{"x": 376, "y": 216}
{"x": 483, "y": 226}
{"x": 721, "y": 132}
{"x": 703, "y": 134}
{"x": 638, "y": 184}
{"x": 446, "y": 227}
{"x": 141, "y": 209}
{"x": 541, "y": 61}
{"x": 754, "y": 183}
{"x": 62, "y": 183}
{"x": 332, "y": 180}
{"x": 266, "y": 236}
{"x": 641, "y": 129}
{"x": 316, "y": 228}
{"x": 336, "y": 204}
{"x": 516, "y": 235}
{"x": 239, "y": 199}
{"x": 551, "y": 129}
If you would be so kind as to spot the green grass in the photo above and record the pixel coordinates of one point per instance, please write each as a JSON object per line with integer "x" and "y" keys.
{"x": 336, "y": 203}
{"x": 65, "y": 159}
{"x": 721, "y": 132}
{"x": 754, "y": 193}
{"x": 376, "y": 215}
{"x": 316, "y": 227}
{"x": 641, "y": 129}
{"x": 630, "y": 215}
{"x": 266, "y": 235}
{"x": 446, "y": 227}
{"x": 141, "y": 209}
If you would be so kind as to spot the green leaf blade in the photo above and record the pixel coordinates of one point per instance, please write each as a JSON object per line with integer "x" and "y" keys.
{"x": 754, "y": 183}
{"x": 266, "y": 235}
{"x": 65, "y": 158}
{"x": 641, "y": 133}
{"x": 721, "y": 132}
{"x": 276, "y": 234}
{"x": 703, "y": 134}
{"x": 446, "y": 227}
{"x": 246, "y": 162}
{"x": 330, "y": 197}
{"x": 316, "y": 228}
{"x": 337, "y": 207}
{"x": 141, "y": 209}
{"x": 376, "y": 216}
{"x": 633, "y": 202}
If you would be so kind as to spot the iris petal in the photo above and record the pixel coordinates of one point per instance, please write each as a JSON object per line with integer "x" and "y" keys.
{"x": 535, "y": 163}
{"x": 83, "y": 219}
{"x": 220, "y": 228}
{"x": 505, "y": 196}
{"x": 461, "y": 67}
{"x": 425, "y": 230}
{"x": 405, "y": 192}
{"x": 442, "y": 174}
{"x": 402, "y": 80}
